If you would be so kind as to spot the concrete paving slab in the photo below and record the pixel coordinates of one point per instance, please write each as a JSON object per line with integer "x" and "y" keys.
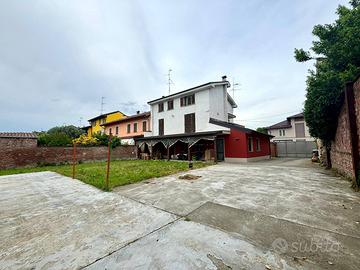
{"x": 305, "y": 195}
{"x": 297, "y": 242}
{"x": 187, "y": 245}
{"x": 48, "y": 221}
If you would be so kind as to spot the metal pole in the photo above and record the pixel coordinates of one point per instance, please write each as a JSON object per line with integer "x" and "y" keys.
{"x": 74, "y": 160}
{"x": 108, "y": 164}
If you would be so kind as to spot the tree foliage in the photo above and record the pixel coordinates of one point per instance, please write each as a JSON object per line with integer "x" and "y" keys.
{"x": 54, "y": 139}
{"x": 262, "y": 130}
{"x": 337, "y": 54}
{"x": 71, "y": 131}
{"x": 103, "y": 139}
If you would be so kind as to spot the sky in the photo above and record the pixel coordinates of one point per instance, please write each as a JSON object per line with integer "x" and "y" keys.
{"x": 58, "y": 58}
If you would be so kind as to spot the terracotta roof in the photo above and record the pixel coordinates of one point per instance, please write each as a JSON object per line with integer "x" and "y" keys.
{"x": 25, "y": 135}
{"x": 126, "y": 118}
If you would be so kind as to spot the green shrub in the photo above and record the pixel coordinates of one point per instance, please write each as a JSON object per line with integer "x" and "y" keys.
{"x": 103, "y": 139}
{"x": 54, "y": 139}
{"x": 71, "y": 131}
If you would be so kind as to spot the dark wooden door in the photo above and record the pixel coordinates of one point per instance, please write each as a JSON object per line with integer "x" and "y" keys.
{"x": 189, "y": 120}
{"x": 220, "y": 152}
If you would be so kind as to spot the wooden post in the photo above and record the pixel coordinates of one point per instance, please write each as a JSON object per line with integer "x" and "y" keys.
{"x": 168, "y": 152}
{"x": 108, "y": 164}
{"x": 74, "y": 160}
{"x": 215, "y": 151}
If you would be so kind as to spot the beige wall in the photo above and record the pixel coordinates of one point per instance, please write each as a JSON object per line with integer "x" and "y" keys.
{"x": 290, "y": 132}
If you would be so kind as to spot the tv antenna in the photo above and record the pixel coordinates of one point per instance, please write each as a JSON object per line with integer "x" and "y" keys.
{"x": 80, "y": 121}
{"x": 102, "y": 105}
{"x": 169, "y": 80}
{"x": 234, "y": 88}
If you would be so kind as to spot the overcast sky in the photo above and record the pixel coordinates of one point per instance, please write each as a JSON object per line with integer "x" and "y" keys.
{"x": 57, "y": 58}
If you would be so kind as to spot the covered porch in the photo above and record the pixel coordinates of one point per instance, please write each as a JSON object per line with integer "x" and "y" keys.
{"x": 205, "y": 146}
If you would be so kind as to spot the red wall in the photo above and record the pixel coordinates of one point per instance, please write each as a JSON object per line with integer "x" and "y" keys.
{"x": 236, "y": 145}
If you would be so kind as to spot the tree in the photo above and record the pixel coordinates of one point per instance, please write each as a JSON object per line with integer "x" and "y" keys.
{"x": 71, "y": 131}
{"x": 262, "y": 130}
{"x": 337, "y": 54}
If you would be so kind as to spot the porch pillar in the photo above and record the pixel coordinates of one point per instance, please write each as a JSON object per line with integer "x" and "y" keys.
{"x": 189, "y": 154}
{"x": 151, "y": 151}
{"x": 215, "y": 151}
{"x": 168, "y": 151}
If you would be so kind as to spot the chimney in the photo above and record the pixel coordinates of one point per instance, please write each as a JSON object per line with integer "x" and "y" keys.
{"x": 224, "y": 78}
{"x": 137, "y": 112}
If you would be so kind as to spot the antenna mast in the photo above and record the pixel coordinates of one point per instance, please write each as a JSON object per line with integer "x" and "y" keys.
{"x": 169, "y": 80}
{"x": 102, "y": 105}
{"x": 233, "y": 88}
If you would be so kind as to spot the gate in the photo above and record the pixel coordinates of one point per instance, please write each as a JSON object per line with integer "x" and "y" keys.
{"x": 301, "y": 149}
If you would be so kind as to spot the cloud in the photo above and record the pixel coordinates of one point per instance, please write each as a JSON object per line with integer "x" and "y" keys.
{"x": 57, "y": 58}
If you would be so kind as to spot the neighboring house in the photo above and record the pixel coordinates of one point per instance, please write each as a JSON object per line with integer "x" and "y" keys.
{"x": 294, "y": 128}
{"x": 17, "y": 140}
{"x": 197, "y": 124}
{"x": 97, "y": 122}
{"x": 129, "y": 127}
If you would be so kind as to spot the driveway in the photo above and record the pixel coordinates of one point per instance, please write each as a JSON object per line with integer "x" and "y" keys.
{"x": 279, "y": 214}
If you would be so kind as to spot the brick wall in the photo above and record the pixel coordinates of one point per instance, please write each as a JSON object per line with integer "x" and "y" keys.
{"x": 22, "y": 157}
{"x": 16, "y": 143}
{"x": 341, "y": 156}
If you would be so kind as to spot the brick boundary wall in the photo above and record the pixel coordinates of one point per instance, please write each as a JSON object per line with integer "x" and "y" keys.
{"x": 341, "y": 148}
{"x": 27, "y": 157}
{"x": 341, "y": 158}
{"x": 12, "y": 143}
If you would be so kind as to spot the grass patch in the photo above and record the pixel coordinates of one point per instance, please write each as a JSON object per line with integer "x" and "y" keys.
{"x": 122, "y": 172}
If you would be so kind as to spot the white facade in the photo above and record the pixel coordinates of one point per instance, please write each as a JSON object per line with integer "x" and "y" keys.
{"x": 211, "y": 101}
{"x": 289, "y": 133}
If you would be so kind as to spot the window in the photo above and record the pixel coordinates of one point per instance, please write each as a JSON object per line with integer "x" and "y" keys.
{"x": 103, "y": 121}
{"x": 283, "y": 132}
{"x": 144, "y": 125}
{"x": 170, "y": 105}
{"x": 110, "y": 131}
{"x": 117, "y": 130}
{"x": 135, "y": 127}
{"x": 280, "y": 132}
{"x": 250, "y": 145}
{"x": 128, "y": 128}
{"x": 299, "y": 130}
{"x": 161, "y": 107}
{"x": 189, "y": 121}
{"x": 258, "y": 147}
{"x": 161, "y": 127}
{"x": 187, "y": 100}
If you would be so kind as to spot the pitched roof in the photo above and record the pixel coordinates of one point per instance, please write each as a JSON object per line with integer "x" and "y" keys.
{"x": 286, "y": 123}
{"x": 190, "y": 89}
{"x": 298, "y": 115}
{"x": 282, "y": 124}
{"x": 103, "y": 115}
{"x": 236, "y": 126}
{"x": 127, "y": 118}
{"x": 18, "y": 135}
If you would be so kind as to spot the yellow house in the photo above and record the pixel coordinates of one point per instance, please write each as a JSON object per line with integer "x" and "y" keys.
{"x": 102, "y": 119}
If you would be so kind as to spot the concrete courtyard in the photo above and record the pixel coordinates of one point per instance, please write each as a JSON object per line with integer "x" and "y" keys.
{"x": 279, "y": 214}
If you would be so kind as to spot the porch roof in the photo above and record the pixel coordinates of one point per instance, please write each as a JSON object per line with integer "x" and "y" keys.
{"x": 191, "y": 138}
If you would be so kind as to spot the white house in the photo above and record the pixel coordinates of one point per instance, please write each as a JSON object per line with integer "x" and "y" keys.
{"x": 197, "y": 123}
{"x": 189, "y": 111}
{"x": 294, "y": 128}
